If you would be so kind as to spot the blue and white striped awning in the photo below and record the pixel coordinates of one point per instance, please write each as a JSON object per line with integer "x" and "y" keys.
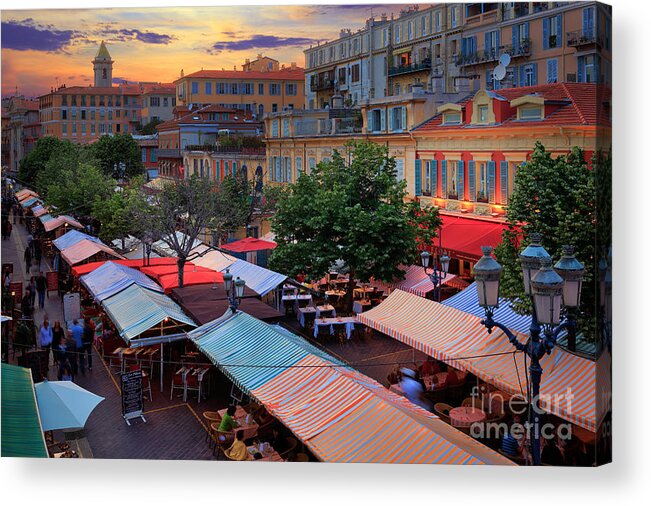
{"x": 73, "y": 237}
{"x": 468, "y": 301}
{"x": 111, "y": 278}
{"x": 136, "y": 310}
{"x": 257, "y": 278}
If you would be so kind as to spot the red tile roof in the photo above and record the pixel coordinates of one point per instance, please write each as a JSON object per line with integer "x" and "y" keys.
{"x": 197, "y": 117}
{"x": 93, "y": 90}
{"x": 578, "y": 104}
{"x": 289, "y": 74}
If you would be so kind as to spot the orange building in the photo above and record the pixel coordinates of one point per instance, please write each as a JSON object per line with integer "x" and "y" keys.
{"x": 256, "y": 90}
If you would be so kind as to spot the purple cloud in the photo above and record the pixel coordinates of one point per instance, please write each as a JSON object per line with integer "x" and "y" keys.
{"x": 26, "y": 35}
{"x": 125, "y": 34}
{"x": 260, "y": 42}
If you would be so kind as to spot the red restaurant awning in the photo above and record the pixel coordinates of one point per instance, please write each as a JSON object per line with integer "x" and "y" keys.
{"x": 137, "y": 263}
{"x": 249, "y": 244}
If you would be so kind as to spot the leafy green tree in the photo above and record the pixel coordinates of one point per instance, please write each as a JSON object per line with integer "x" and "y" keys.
{"x": 233, "y": 205}
{"x": 115, "y": 214}
{"x": 555, "y": 197}
{"x": 150, "y": 128}
{"x": 353, "y": 211}
{"x": 119, "y": 156}
{"x": 45, "y": 149}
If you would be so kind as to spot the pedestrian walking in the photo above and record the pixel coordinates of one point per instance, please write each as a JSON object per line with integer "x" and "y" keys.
{"x": 45, "y": 338}
{"x": 69, "y": 358}
{"x": 10, "y": 227}
{"x": 41, "y": 288}
{"x": 28, "y": 259}
{"x": 87, "y": 342}
{"x": 38, "y": 253}
{"x": 58, "y": 341}
{"x": 30, "y": 243}
{"x": 77, "y": 333}
{"x": 32, "y": 291}
{"x": 6, "y": 280}
{"x": 26, "y": 305}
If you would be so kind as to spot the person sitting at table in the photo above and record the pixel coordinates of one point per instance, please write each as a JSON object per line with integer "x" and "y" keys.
{"x": 430, "y": 367}
{"x": 228, "y": 423}
{"x": 238, "y": 450}
{"x": 277, "y": 440}
{"x": 451, "y": 379}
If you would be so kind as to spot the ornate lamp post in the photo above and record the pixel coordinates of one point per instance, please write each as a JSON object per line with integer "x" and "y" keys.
{"x": 550, "y": 290}
{"x": 436, "y": 275}
{"x": 234, "y": 290}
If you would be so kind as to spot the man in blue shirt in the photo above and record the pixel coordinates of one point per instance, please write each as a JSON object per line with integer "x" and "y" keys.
{"x": 77, "y": 332}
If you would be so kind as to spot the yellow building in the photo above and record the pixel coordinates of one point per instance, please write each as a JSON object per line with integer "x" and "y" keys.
{"x": 253, "y": 91}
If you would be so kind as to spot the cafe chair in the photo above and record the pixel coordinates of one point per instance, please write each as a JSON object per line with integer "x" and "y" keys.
{"x": 178, "y": 383}
{"x": 193, "y": 384}
{"x": 302, "y": 457}
{"x": 223, "y": 439}
{"x": 146, "y": 386}
{"x": 442, "y": 410}
{"x": 292, "y": 443}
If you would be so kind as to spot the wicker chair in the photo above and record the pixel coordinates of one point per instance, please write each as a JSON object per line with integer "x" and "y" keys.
{"x": 442, "y": 410}
{"x": 292, "y": 443}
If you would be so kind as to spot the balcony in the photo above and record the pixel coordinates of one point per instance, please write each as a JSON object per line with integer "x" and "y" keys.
{"x": 492, "y": 55}
{"x": 169, "y": 153}
{"x": 584, "y": 38}
{"x": 426, "y": 64}
{"x": 211, "y": 148}
{"x": 328, "y": 126}
{"x": 322, "y": 85}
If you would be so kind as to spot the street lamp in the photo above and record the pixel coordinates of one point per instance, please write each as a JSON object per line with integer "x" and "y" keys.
{"x": 436, "y": 275}
{"x": 550, "y": 291}
{"x": 234, "y": 290}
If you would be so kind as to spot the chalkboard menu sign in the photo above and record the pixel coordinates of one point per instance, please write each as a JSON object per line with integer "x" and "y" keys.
{"x": 71, "y": 306}
{"x": 132, "y": 401}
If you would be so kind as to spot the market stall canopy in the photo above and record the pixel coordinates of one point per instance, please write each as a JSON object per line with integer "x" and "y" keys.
{"x": 80, "y": 270}
{"x": 112, "y": 278}
{"x": 25, "y": 194}
{"x": 208, "y": 293}
{"x": 206, "y": 311}
{"x": 22, "y": 432}
{"x": 85, "y": 249}
{"x": 417, "y": 282}
{"x": 249, "y": 244}
{"x": 460, "y": 340}
{"x": 39, "y": 210}
{"x": 463, "y": 236}
{"x": 73, "y": 237}
{"x": 257, "y": 278}
{"x": 30, "y": 202}
{"x": 136, "y": 310}
{"x": 211, "y": 258}
{"x": 60, "y": 221}
{"x": 339, "y": 414}
{"x": 190, "y": 278}
{"x": 163, "y": 249}
{"x": 64, "y": 405}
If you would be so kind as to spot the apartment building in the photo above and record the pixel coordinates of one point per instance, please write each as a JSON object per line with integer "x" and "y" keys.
{"x": 22, "y": 127}
{"x": 158, "y": 103}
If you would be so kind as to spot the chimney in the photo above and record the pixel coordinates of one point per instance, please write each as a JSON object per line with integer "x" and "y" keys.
{"x": 293, "y": 65}
{"x": 182, "y": 73}
{"x": 259, "y": 56}
{"x": 247, "y": 61}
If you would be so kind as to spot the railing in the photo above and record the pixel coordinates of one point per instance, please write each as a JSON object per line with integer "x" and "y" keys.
{"x": 328, "y": 126}
{"x": 426, "y": 64}
{"x": 493, "y": 54}
{"x": 482, "y": 197}
{"x": 327, "y": 84}
{"x": 169, "y": 153}
{"x": 583, "y": 37}
{"x": 211, "y": 148}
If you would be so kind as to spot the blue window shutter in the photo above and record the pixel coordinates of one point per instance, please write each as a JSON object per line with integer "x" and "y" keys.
{"x": 418, "y": 177}
{"x": 535, "y": 73}
{"x": 383, "y": 115}
{"x": 444, "y": 178}
{"x": 474, "y": 44}
{"x": 487, "y": 44}
{"x": 559, "y": 30}
{"x": 460, "y": 179}
{"x": 580, "y": 69}
{"x": 491, "y": 182}
{"x": 504, "y": 182}
{"x": 597, "y": 66}
{"x": 514, "y": 36}
{"x": 521, "y": 72}
{"x": 545, "y": 33}
{"x": 472, "y": 192}
{"x": 464, "y": 46}
{"x": 404, "y": 118}
{"x": 433, "y": 175}
{"x": 526, "y": 30}
{"x": 497, "y": 42}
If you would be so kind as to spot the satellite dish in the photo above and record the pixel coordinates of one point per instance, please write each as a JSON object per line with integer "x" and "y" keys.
{"x": 499, "y": 72}
{"x": 505, "y": 59}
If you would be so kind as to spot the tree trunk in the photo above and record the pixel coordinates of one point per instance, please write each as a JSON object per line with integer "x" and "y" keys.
{"x": 349, "y": 293}
{"x": 181, "y": 265}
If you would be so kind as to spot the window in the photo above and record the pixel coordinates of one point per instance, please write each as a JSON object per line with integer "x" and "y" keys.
{"x": 385, "y": 38}
{"x": 397, "y": 34}
{"x": 520, "y": 38}
{"x": 528, "y": 75}
{"x": 452, "y": 180}
{"x": 165, "y": 102}
{"x": 117, "y": 102}
{"x": 299, "y": 167}
{"x": 376, "y": 120}
{"x": 195, "y": 87}
{"x": 274, "y": 128}
{"x": 101, "y": 113}
{"x": 552, "y": 32}
{"x": 74, "y": 128}
{"x": 482, "y": 182}
{"x": 530, "y": 113}
{"x": 452, "y": 118}
{"x": 92, "y": 129}
{"x": 117, "y": 113}
{"x": 396, "y": 89}
{"x": 143, "y": 155}
{"x": 288, "y": 170}
{"x": 492, "y": 43}
{"x": 290, "y": 89}
{"x": 64, "y": 113}
{"x": 274, "y": 107}
{"x": 260, "y": 110}
{"x": 235, "y": 89}
{"x": 110, "y": 114}
{"x": 83, "y": 100}
{"x": 552, "y": 70}
{"x": 92, "y": 100}
{"x": 311, "y": 164}
{"x": 410, "y": 30}
{"x": 274, "y": 89}
{"x": 588, "y": 68}
{"x": 588, "y": 23}
{"x": 64, "y": 100}
{"x": 104, "y": 76}
{"x": 207, "y": 88}
{"x": 74, "y": 113}
{"x": 354, "y": 71}
{"x": 423, "y": 29}
{"x": 155, "y": 101}
{"x": 92, "y": 114}
{"x": 397, "y": 119}
{"x": 400, "y": 169}
{"x": 483, "y": 113}
{"x": 220, "y": 88}
{"x": 427, "y": 187}
{"x": 341, "y": 76}
{"x": 453, "y": 17}
{"x": 437, "y": 21}
{"x": 286, "y": 132}
{"x": 247, "y": 88}
{"x": 355, "y": 46}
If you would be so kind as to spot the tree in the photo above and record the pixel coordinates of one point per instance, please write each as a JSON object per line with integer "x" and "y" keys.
{"x": 118, "y": 156}
{"x": 150, "y": 128}
{"x": 45, "y": 149}
{"x": 350, "y": 211}
{"x": 555, "y": 197}
{"x": 233, "y": 206}
{"x": 184, "y": 206}
{"x": 115, "y": 214}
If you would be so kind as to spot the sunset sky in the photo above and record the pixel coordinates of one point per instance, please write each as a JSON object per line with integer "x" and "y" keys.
{"x": 43, "y": 47}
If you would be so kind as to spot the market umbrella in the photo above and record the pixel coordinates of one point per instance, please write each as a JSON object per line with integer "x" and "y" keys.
{"x": 64, "y": 405}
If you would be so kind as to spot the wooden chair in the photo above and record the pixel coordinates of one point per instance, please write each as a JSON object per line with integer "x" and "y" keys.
{"x": 193, "y": 384}
{"x": 223, "y": 439}
{"x": 292, "y": 443}
{"x": 211, "y": 417}
{"x": 442, "y": 410}
{"x": 302, "y": 457}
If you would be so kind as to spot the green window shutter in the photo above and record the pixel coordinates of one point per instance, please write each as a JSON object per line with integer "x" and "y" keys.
{"x": 404, "y": 118}
{"x": 491, "y": 182}
{"x": 444, "y": 178}
{"x": 472, "y": 192}
{"x": 418, "y": 178}
{"x": 433, "y": 174}
{"x": 546, "y": 33}
{"x": 390, "y": 120}
{"x": 504, "y": 182}
{"x": 383, "y": 120}
{"x": 371, "y": 124}
{"x": 460, "y": 179}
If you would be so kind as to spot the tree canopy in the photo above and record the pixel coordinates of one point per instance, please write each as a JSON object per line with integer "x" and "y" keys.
{"x": 352, "y": 211}
{"x": 557, "y": 198}
{"x": 118, "y": 156}
{"x": 46, "y": 148}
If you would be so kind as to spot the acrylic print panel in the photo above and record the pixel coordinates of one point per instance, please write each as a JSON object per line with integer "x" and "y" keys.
{"x": 344, "y": 142}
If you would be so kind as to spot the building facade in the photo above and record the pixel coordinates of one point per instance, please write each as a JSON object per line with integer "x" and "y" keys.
{"x": 23, "y": 129}
{"x": 252, "y": 91}
{"x": 158, "y": 103}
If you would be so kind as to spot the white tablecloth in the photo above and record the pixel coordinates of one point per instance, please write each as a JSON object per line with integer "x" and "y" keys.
{"x": 300, "y": 314}
{"x": 325, "y": 309}
{"x": 348, "y": 321}
{"x": 358, "y": 307}
{"x": 294, "y": 299}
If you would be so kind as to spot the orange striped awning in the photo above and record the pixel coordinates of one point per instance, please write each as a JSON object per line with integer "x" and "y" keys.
{"x": 568, "y": 385}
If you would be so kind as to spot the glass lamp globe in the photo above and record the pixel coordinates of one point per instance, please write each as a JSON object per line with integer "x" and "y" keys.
{"x": 530, "y": 259}
{"x": 571, "y": 270}
{"x": 487, "y": 273}
{"x": 547, "y": 289}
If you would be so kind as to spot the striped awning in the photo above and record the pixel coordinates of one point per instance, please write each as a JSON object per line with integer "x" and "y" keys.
{"x": 25, "y": 193}
{"x": 73, "y": 237}
{"x": 30, "y": 201}
{"x": 459, "y": 339}
{"x": 339, "y": 414}
{"x": 468, "y": 301}
{"x": 112, "y": 278}
{"x": 416, "y": 281}
{"x": 136, "y": 310}
{"x": 22, "y": 432}
{"x": 211, "y": 258}
{"x": 39, "y": 210}
{"x": 257, "y": 278}
{"x": 85, "y": 249}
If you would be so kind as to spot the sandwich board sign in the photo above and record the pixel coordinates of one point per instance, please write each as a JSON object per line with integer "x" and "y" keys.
{"x": 132, "y": 401}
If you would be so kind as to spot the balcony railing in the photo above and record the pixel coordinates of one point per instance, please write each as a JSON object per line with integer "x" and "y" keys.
{"x": 426, "y": 64}
{"x": 583, "y": 38}
{"x": 493, "y": 54}
{"x": 328, "y": 126}
{"x": 482, "y": 197}
{"x": 211, "y": 148}
{"x": 322, "y": 85}
{"x": 169, "y": 153}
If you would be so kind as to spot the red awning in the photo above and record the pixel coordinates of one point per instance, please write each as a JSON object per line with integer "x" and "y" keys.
{"x": 137, "y": 263}
{"x": 463, "y": 237}
{"x": 249, "y": 244}
{"x": 171, "y": 281}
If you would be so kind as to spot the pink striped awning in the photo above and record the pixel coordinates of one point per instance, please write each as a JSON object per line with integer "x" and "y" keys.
{"x": 85, "y": 249}
{"x": 416, "y": 282}
{"x": 568, "y": 386}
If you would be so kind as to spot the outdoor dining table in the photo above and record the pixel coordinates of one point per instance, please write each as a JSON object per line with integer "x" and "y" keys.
{"x": 363, "y": 291}
{"x": 250, "y": 429}
{"x": 359, "y": 306}
{"x": 269, "y": 455}
{"x": 335, "y": 293}
{"x": 297, "y": 299}
{"x": 465, "y": 416}
{"x": 326, "y": 308}
{"x": 348, "y": 321}
{"x": 303, "y": 312}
